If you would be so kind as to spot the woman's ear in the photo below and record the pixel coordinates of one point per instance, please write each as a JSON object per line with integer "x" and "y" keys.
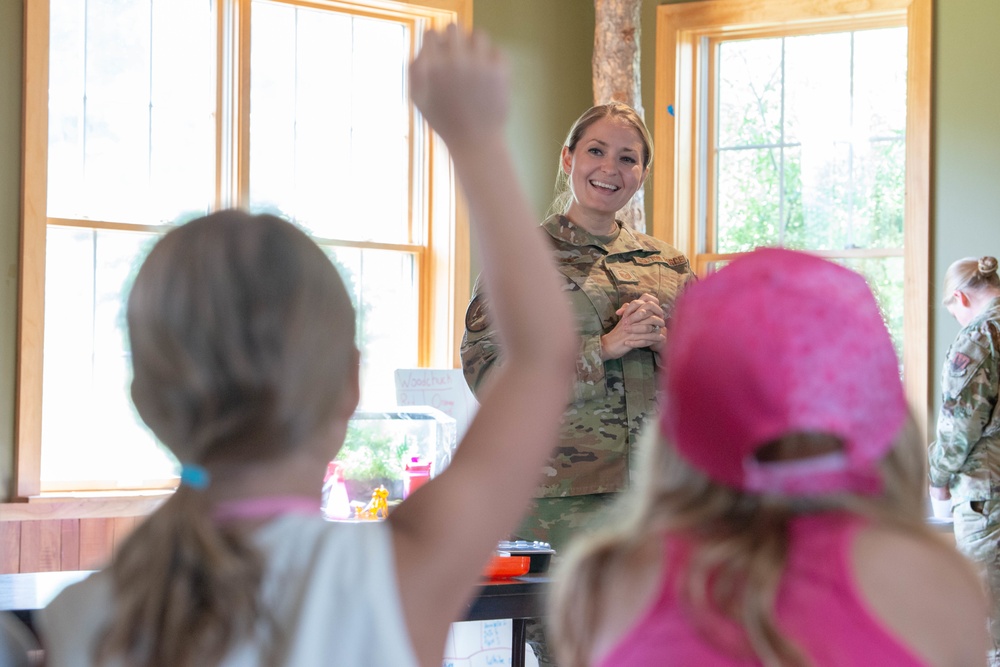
{"x": 567, "y": 160}
{"x": 962, "y": 298}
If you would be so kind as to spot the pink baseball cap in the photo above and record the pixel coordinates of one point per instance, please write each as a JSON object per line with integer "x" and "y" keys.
{"x": 781, "y": 342}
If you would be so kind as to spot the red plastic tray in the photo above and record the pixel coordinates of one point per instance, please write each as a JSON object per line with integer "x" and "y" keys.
{"x": 505, "y": 567}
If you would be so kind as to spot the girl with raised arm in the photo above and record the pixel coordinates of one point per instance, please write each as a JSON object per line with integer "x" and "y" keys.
{"x": 245, "y": 366}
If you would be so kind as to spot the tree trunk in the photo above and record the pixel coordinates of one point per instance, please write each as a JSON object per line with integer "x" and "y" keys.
{"x": 616, "y": 72}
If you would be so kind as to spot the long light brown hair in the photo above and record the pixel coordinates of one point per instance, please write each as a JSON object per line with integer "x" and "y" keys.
{"x": 739, "y": 543}
{"x": 242, "y": 337}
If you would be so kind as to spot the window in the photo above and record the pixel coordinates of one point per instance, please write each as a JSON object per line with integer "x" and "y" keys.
{"x": 141, "y": 114}
{"x": 800, "y": 126}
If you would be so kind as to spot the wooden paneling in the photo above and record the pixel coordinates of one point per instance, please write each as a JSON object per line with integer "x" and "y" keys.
{"x": 97, "y": 540}
{"x": 41, "y": 546}
{"x": 10, "y": 547}
{"x": 70, "y": 529}
{"x": 61, "y": 544}
{"x": 123, "y": 528}
{"x": 53, "y": 534}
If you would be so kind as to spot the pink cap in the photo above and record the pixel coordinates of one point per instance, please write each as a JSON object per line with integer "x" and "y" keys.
{"x": 779, "y": 342}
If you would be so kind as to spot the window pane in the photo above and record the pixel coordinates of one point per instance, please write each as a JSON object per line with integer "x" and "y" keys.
{"x": 329, "y": 128}
{"x": 825, "y": 177}
{"x": 818, "y": 89}
{"x": 89, "y": 428}
{"x": 130, "y": 114}
{"x": 832, "y": 176}
{"x": 749, "y": 199}
{"x": 885, "y": 278}
{"x": 383, "y": 288}
{"x": 880, "y": 192}
{"x": 880, "y": 92}
{"x": 749, "y": 92}
{"x": 839, "y": 148}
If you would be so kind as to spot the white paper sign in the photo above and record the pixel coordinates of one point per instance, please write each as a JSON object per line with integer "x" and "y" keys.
{"x": 441, "y": 388}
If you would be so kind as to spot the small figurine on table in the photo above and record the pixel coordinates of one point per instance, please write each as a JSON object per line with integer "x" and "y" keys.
{"x": 378, "y": 505}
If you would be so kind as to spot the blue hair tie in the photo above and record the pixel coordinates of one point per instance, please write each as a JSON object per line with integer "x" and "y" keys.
{"x": 194, "y": 475}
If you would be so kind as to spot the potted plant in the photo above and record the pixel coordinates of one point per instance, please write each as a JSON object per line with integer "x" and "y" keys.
{"x": 370, "y": 458}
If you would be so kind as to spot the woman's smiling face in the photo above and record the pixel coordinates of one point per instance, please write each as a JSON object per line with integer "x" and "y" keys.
{"x": 605, "y": 170}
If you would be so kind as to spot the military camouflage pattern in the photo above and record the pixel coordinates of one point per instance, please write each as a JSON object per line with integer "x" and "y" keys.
{"x": 966, "y": 454}
{"x": 977, "y": 531}
{"x": 557, "y": 521}
{"x": 965, "y": 457}
{"x": 612, "y": 399}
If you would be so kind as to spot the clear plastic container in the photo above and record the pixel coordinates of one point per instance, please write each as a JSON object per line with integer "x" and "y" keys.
{"x": 380, "y": 444}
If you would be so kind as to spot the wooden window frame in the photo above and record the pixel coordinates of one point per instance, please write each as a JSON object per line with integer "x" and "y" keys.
{"x": 442, "y": 253}
{"x": 683, "y": 29}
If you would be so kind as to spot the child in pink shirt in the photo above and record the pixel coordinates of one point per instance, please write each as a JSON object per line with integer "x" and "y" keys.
{"x": 779, "y": 518}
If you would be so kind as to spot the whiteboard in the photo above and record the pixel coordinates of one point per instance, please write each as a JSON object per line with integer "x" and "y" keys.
{"x": 441, "y": 388}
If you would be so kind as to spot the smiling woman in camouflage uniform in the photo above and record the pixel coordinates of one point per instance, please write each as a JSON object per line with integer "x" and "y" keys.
{"x": 965, "y": 458}
{"x": 622, "y": 285}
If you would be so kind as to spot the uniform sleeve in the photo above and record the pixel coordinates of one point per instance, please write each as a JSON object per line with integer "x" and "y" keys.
{"x": 969, "y": 393}
{"x": 480, "y": 350}
{"x": 589, "y": 368}
{"x": 481, "y": 353}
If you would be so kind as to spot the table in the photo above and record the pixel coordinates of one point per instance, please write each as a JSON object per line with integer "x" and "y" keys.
{"x": 26, "y": 593}
{"x": 518, "y": 599}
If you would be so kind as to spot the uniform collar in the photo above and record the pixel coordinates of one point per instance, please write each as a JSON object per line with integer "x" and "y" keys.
{"x": 563, "y": 229}
{"x": 990, "y": 311}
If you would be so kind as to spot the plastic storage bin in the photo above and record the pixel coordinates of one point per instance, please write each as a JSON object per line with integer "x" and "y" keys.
{"x": 380, "y": 444}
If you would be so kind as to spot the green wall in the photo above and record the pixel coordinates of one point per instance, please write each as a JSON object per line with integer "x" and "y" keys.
{"x": 549, "y": 45}
{"x": 11, "y": 23}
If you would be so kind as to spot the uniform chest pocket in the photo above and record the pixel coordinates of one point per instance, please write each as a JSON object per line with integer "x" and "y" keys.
{"x": 623, "y": 275}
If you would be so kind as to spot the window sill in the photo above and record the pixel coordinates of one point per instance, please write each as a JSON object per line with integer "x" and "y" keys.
{"x": 84, "y": 505}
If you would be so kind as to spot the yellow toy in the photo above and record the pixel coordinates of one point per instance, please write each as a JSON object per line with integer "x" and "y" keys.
{"x": 378, "y": 505}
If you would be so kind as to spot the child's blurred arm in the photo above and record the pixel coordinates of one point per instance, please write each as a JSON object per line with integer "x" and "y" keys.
{"x": 445, "y": 532}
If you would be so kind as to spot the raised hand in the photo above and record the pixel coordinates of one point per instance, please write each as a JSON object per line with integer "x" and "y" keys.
{"x": 459, "y": 82}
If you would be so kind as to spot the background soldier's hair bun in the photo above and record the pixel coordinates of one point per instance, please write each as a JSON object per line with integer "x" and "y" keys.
{"x": 987, "y": 265}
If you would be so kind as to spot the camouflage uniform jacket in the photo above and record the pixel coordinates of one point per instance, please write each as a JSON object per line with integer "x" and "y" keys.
{"x": 611, "y": 399}
{"x": 966, "y": 454}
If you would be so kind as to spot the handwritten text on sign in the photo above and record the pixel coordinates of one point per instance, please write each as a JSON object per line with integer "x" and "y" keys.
{"x": 441, "y": 388}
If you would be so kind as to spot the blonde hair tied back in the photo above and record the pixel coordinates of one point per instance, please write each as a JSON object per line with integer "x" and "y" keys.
{"x": 970, "y": 274}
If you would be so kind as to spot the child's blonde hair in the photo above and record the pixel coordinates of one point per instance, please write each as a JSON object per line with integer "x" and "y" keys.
{"x": 970, "y": 274}
{"x": 242, "y": 341}
{"x": 739, "y": 542}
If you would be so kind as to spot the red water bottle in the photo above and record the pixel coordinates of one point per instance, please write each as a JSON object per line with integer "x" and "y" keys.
{"x": 418, "y": 472}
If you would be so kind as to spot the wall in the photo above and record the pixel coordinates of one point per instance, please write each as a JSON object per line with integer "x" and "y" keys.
{"x": 549, "y": 45}
{"x": 11, "y": 25}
